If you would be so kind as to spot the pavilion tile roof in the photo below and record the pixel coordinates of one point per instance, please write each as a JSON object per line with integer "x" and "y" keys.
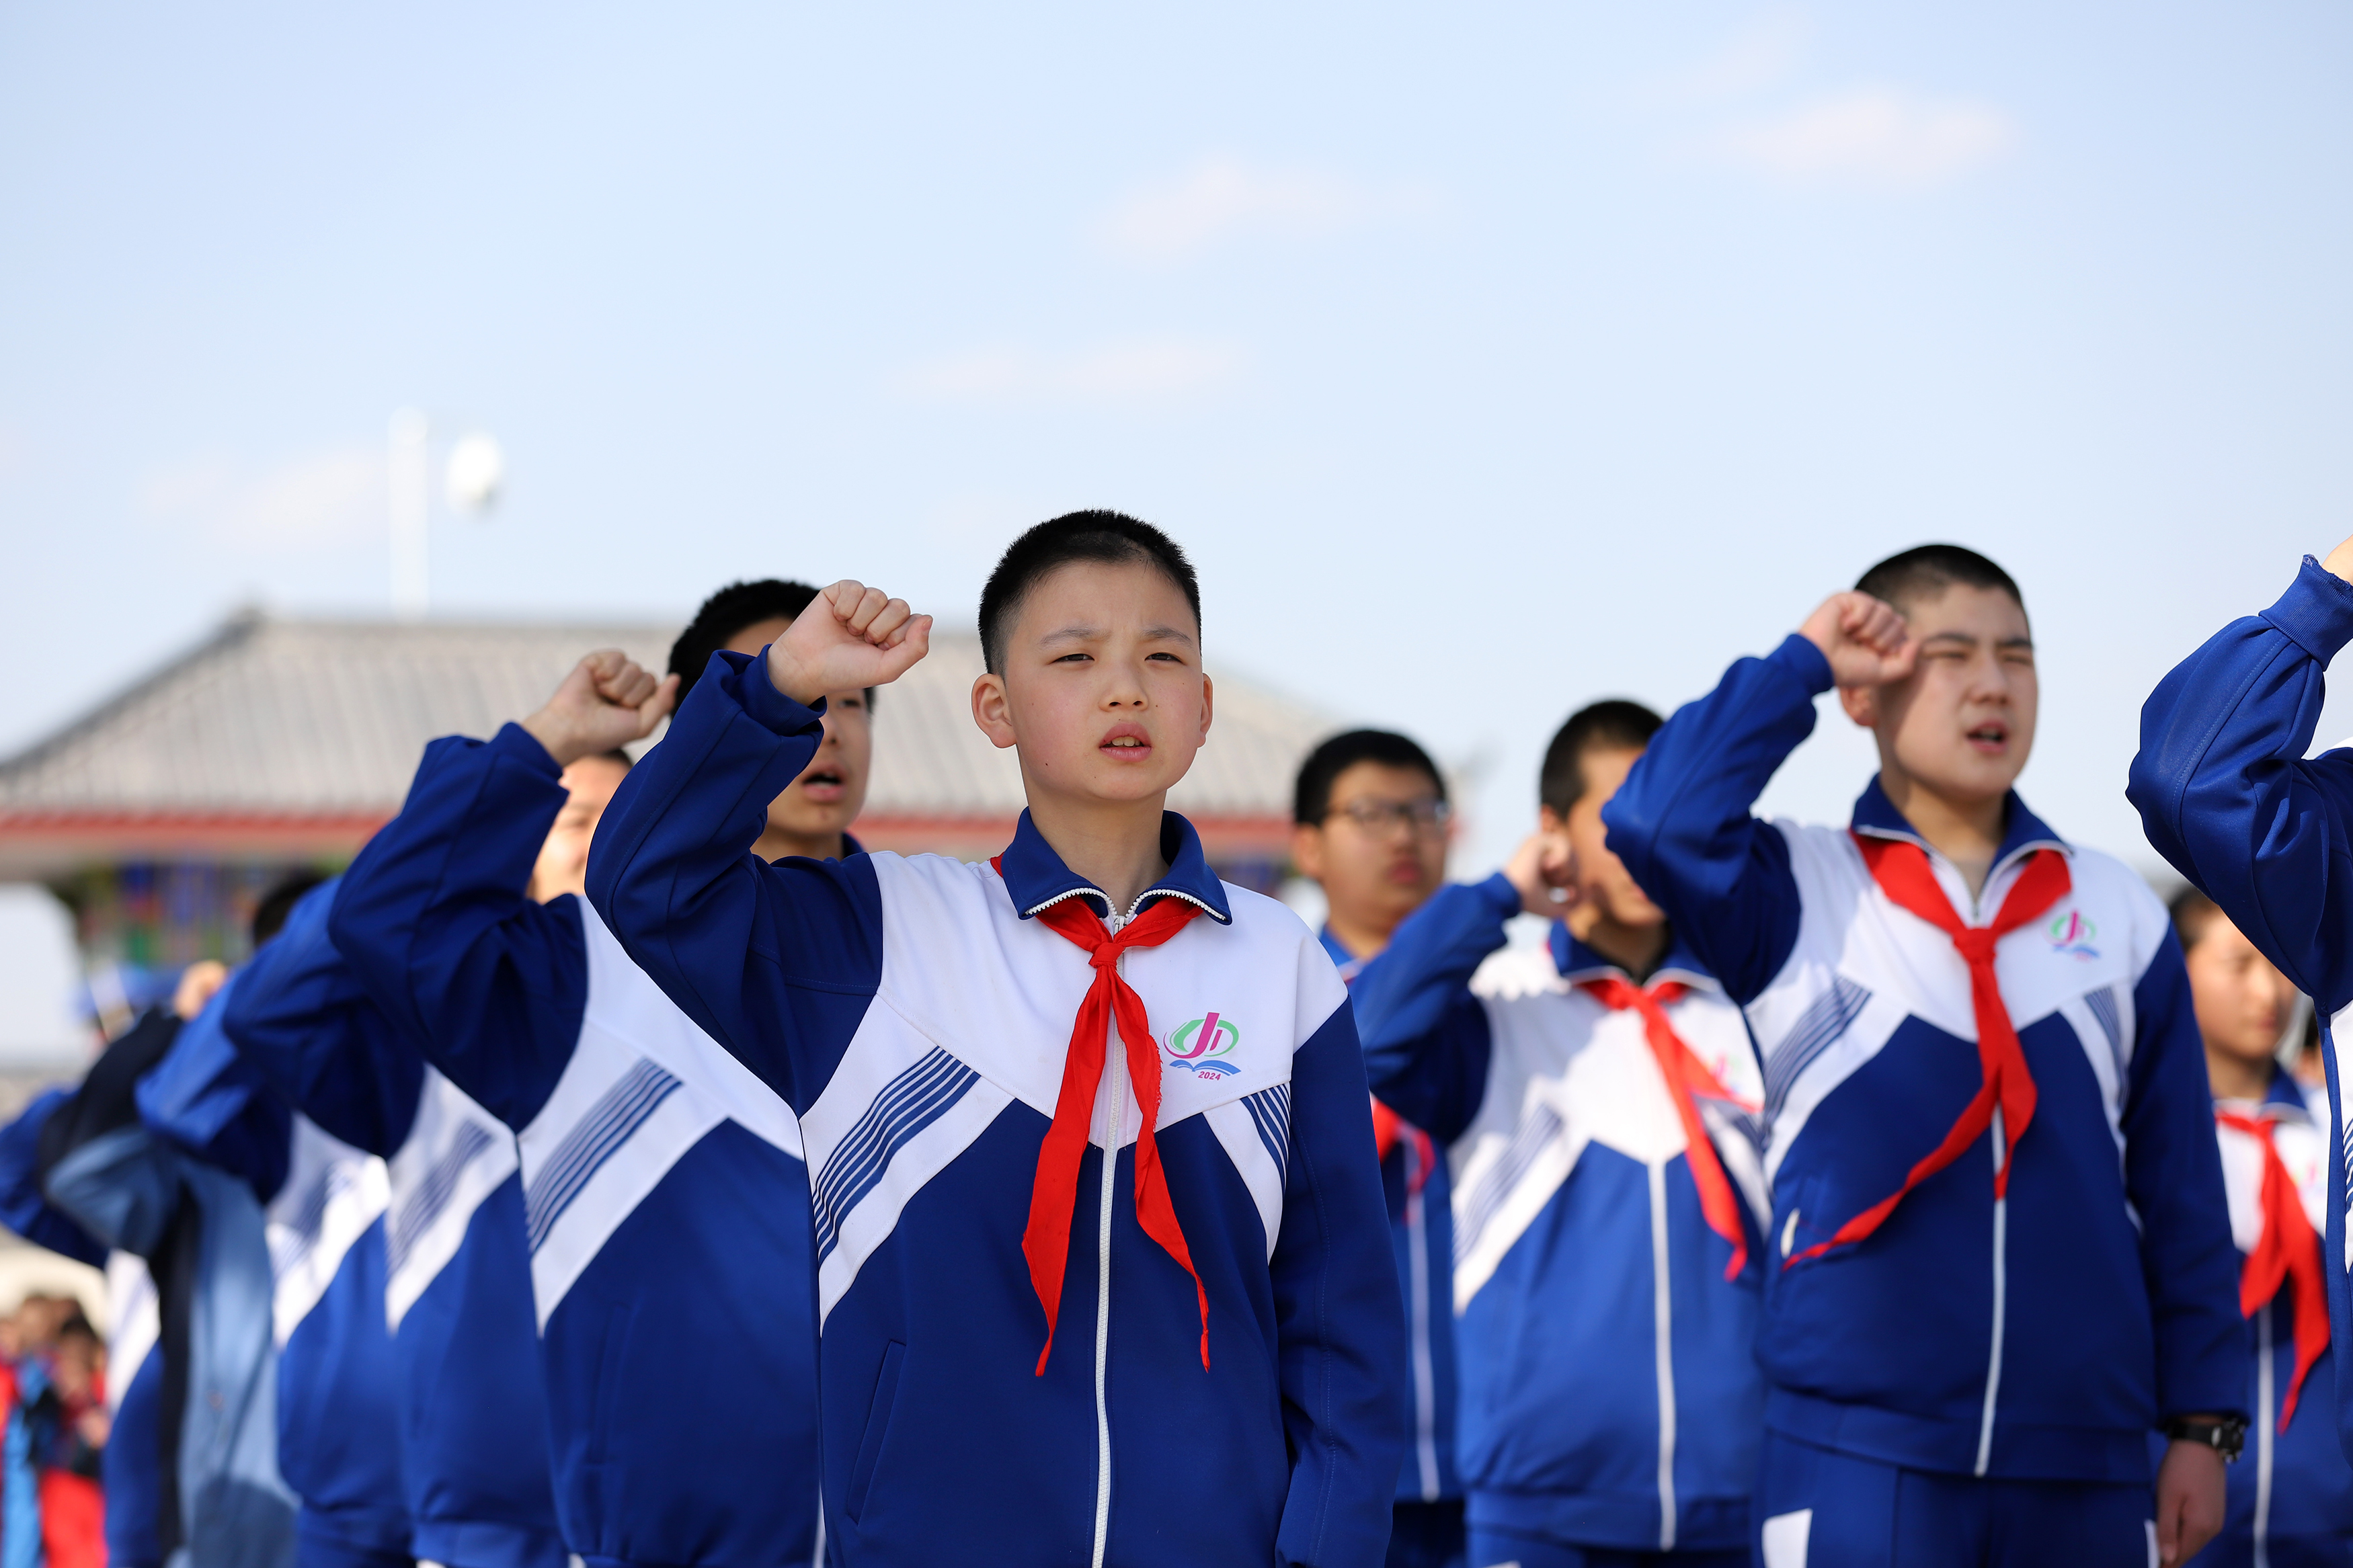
{"x": 291, "y": 738}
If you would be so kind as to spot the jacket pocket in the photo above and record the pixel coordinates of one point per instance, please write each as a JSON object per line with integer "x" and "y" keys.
{"x": 877, "y": 1427}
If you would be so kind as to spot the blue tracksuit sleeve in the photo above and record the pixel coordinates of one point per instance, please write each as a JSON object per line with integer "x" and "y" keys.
{"x": 24, "y": 1207}
{"x": 1339, "y": 1318}
{"x": 1682, "y": 825}
{"x": 1426, "y": 1037}
{"x": 2173, "y": 1174}
{"x": 775, "y": 963}
{"x": 206, "y": 1099}
{"x": 2225, "y": 793}
{"x": 435, "y": 920}
{"x": 299, "y": 1015}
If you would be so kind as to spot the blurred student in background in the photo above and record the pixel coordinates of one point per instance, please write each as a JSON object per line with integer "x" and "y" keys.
{"x": 1595, "y": 1095}
{"x": 2291, "y": 1497}
{"x": 1369, "y": 826}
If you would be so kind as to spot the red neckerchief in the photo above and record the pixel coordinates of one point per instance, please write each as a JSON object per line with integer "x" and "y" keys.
{"x": 2288, "y": 1251}
{"x": 1685, "y": 1076}
{"x": 1901, "y": 868}
{"x": 1388, "y": 1127}
{"x": 1045, "y": 1241}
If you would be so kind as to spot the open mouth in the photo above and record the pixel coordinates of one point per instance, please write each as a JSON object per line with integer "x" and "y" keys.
{"x": 1992, "y": 737}
{"x": 1126, "y": 742}
{"x": 824, "y": 785}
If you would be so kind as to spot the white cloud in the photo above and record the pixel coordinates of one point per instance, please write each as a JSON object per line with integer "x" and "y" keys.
{"x": 331, "y": 496}
{"x": 1758, "y": 55}
{"x": 1221, "y": 198}
{"x": 1129, "y": 371}
{"x": 1882, "y": 137}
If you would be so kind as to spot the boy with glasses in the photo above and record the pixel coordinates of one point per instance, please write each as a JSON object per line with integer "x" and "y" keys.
{"x": 1595, "y": 1097}
{"x": 1371, "y": 827}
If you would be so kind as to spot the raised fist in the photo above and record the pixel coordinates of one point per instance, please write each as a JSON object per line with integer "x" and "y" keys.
{"x": 607, "y": 701}
{"x": 852, "y": 637}
{"x": 1865, "y": 639}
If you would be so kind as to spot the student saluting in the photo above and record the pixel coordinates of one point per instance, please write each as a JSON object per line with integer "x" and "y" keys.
{"x": 1596, "y": 1096}
{"x": 2227, "y": 795}
{"x": 1032, "y": 1351}
{"x": 2001, "y": 1254}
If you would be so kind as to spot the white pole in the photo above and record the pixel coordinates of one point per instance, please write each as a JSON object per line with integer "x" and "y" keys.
{"x": 409, "y": 477}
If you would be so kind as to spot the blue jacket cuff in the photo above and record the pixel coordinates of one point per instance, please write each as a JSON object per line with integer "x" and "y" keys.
{"x": 514, "y": 740}
{"x": 1502, "y": 899}
{"x": 1803, "y": 662}
{"x": 2317, "y": 611}
{"x": 768, "y": 707}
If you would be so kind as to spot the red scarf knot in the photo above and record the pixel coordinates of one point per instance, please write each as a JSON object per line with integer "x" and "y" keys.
{"x": 2288, "y": 1252}
{"x": 1687, "y": 1077}
{"x": 1901, "y": 868}
{"x": 1045, "y": 1241}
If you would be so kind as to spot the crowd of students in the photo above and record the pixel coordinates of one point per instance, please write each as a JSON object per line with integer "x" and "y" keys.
{"x": 618, "y": 1165}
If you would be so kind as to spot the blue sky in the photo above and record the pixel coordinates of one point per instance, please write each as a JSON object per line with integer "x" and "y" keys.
{"x": 1488, "y": 362}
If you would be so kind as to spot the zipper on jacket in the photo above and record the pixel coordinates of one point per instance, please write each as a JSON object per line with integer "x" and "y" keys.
{"x": 1663, "y": 1300}
{"x": 2264, "y": 1420}
{"x": 1425, "y": 1373}
{"x": 1102, "y": 1280}
{"x": 2001, "y": 1293}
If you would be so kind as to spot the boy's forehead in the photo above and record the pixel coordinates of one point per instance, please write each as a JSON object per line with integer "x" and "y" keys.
{"x": 1962, "y": 609}
{"x": 1105, "y": 597}
{"x": 1368, "y": 776}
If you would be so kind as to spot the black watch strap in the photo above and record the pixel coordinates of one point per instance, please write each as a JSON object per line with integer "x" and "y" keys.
{"x": 2226, "y": 1437}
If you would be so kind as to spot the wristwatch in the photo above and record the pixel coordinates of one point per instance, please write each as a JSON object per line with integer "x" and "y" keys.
{"x": 2226, "y": 1435}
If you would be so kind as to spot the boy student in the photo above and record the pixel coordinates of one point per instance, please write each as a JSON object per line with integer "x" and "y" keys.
{"x": 1102, "y": 1270}
{"x": 2226, "y": 794}
{"x": 667, "y": 1201}
{"x": 2291, "y": 1502}
{"x": 649, "y": 1210}
{"x": 337, "y": 1400}
{"x": 2000, "y": 1251}
{"x": 1595, "y": 1097}
{"x": 812, "y": 814}
{"x": 1370, "y": 819}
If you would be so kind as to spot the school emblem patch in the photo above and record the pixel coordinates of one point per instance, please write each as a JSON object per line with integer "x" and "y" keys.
{"x": 1200, "y": 1046}
{"x": 2071, "y": 933}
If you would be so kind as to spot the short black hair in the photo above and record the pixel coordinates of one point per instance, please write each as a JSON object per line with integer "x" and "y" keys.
{"x": 1311, "y": 798}
{"x": 1612, "y": 724}
{"x": 2193, "y": 912}
{"x": 270, "y": 916}
{"x": 1112, "y": 537}
{"x": 1928, "y": 570}
{"x": 728, "y": 612}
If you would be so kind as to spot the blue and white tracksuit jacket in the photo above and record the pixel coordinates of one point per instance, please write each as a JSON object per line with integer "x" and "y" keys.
{"x": 1421, "y": 1229}
{"x": 2294, "y": 1485}
{"x": 457, "y": 1282}
{"x": 667, "y": 1200}
{"x": 130, "y": 1472}
{"x": 1610, "y": 1396}
{"x": 338, "y": 1427}
{"x": 2227, "y": 795}
{"x": 917, "y": 1020}
{"x": 141, "y": 1159}
{"x": 2037, "y": 1337}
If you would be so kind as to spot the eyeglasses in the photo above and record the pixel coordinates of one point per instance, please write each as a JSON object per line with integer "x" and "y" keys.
{"x": 1378, "y": 816}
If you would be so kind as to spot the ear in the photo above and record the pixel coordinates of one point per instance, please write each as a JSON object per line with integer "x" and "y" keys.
{"x": 993, "y": 710}
{"x": 1307, "y": 850}
{"x": 1548, "y": 820}
{"x": 1208, "y": 701}
{"x": 1861, "y": 705}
